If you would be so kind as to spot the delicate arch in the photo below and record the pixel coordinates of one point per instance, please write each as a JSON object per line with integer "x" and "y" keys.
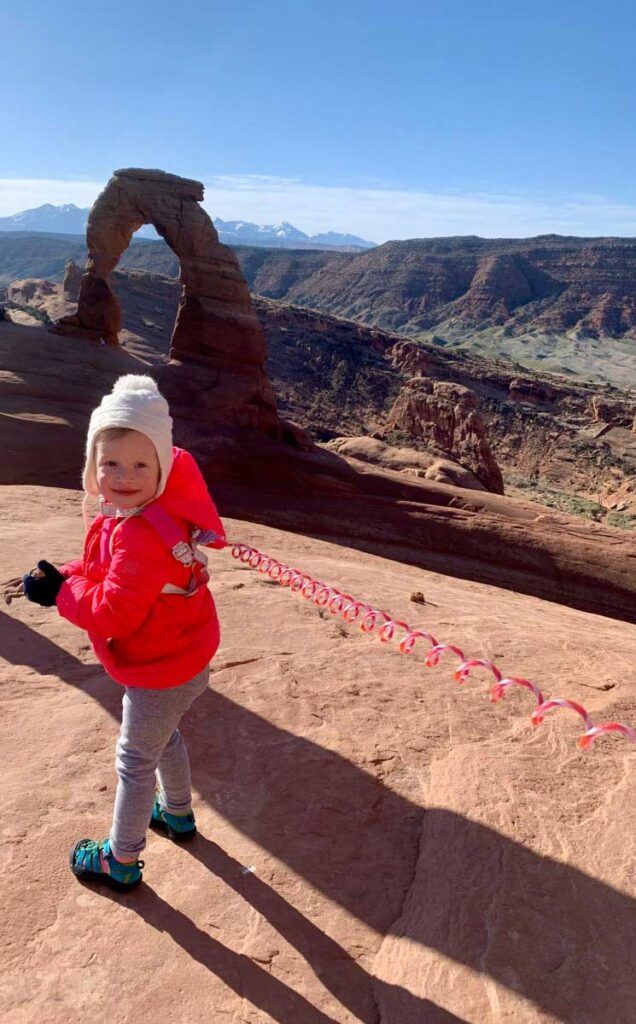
{"x": 216, "y": 325}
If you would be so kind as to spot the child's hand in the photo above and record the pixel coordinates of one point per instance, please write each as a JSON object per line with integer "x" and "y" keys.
{"x": 42, "y": 585}
{"x": 12, "y": 588}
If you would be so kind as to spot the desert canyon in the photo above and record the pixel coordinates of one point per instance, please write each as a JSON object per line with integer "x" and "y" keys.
{"x": 378, "y": 842}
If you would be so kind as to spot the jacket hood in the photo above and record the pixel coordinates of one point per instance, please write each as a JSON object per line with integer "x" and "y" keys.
{"x": 186, "y": 493}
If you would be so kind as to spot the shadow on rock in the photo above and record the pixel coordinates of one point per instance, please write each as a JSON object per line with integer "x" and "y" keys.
{"x": 237, "y": 971}
{"x": 20, "y": 644}
{"x": 252, "y": 982}
{"x": 345, "y": 978}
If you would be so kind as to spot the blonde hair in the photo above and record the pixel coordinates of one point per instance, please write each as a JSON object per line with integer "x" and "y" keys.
{"x": 112, "y": 434}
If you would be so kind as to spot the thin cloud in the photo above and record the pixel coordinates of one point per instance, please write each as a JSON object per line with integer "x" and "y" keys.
{"x": 377, "y": 213}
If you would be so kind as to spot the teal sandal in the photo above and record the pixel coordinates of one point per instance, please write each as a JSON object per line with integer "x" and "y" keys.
{"x": 179, "y": 828}
{"x": 86, "y": 865}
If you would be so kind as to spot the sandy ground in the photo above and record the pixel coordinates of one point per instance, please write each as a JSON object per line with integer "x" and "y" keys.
{"x": 377, "y": 844}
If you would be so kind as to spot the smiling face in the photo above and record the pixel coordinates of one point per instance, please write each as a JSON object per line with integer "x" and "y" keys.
{"x": 127, "y": 468}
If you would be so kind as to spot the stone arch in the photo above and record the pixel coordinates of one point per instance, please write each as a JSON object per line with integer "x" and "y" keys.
{"x": 216, "y": 326}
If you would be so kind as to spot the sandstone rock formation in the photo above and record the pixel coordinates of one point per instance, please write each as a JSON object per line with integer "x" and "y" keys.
{"x": 446, "y": 415}
{"x": 532, "y": 391}
{"x": 72, "y": 280}
{"x": 547, "y": 284}
{"x": 216, "y": 327}
{"x": 543, "y": 427}
{"x": 423, "y": 465}
{"x": 31, "y": 289}
{"x": 618, "y": 414}
{"x": 337, "y": 377}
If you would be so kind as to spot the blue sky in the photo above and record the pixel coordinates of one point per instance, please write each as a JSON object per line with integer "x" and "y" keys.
{"x": 389, "y": 120}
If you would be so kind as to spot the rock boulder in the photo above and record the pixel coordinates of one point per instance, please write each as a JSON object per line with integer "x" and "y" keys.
{"x": 446, "y": 415}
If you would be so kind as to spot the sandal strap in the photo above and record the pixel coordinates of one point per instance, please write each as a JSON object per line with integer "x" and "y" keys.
{"x": 87, "y": 857}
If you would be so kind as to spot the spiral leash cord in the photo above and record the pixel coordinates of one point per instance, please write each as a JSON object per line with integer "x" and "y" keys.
{"x": 385, "y": 628}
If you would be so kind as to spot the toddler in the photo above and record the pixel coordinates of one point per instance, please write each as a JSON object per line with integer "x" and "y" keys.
{"x": 140, "y": 593}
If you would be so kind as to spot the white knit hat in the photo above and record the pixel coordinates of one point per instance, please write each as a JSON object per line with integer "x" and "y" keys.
{"x": 136, "y": 403}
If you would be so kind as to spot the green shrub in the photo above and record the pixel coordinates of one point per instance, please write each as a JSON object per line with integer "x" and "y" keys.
{"x": 37, "y": 314}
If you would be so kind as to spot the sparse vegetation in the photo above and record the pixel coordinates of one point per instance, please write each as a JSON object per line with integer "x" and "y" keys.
{"x": 574, "y": 505}
{"x": 34, "y": 311}
{"x": 623, "y": 520}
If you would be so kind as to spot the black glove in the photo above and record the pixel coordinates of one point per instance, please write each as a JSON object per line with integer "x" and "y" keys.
{"x": 44, "y": 587}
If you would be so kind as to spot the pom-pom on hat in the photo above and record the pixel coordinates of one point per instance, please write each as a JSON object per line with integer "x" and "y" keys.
{"x": 136, "y": 403}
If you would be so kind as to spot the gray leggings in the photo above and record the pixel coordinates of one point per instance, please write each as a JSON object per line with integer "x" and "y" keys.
{"x": 150, "y": 749}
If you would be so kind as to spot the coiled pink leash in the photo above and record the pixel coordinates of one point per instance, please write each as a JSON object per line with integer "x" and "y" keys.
{"x": 498, "y": 690}
{"x": 369, "y": 619}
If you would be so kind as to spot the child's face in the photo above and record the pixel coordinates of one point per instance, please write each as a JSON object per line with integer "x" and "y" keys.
{"x": 127, "y": 470}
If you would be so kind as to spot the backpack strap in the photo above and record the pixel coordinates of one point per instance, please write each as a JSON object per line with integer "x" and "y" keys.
{"x": 185, "y": 552}
{"x": 172, "y": 536}
{"x": 105, "y": 537}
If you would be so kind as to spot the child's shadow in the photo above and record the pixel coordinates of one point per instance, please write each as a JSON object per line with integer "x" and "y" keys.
{"x": 338, "y": 971}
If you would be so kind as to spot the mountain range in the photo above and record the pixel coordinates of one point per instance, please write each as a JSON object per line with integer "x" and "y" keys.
{"x": 69, "y": 219}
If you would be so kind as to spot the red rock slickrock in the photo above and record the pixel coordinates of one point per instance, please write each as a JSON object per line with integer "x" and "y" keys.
{"x": 216, "y": 327}
{"x": 447, "y": 415}
{"x": 376, "y": 844}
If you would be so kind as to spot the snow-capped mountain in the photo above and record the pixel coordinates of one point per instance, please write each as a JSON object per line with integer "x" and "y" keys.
{"x": 71, "y": 220}
{"x": 244, "y": 232}
{"x": 67, "y": 219}
{"x": 284, "y": 230}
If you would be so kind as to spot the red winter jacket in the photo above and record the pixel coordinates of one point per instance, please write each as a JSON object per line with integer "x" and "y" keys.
{"x": 142, "y": 636}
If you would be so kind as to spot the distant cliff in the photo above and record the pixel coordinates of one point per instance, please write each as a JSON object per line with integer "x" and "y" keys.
{"x": 552, "y": 283}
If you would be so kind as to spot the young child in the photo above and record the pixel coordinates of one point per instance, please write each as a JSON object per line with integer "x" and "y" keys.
{"x": 140, "y": 592}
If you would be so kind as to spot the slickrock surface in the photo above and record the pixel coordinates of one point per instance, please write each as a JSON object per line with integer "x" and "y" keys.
{"x": 416, "y": 855}
{"x": 405, "y": 460}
